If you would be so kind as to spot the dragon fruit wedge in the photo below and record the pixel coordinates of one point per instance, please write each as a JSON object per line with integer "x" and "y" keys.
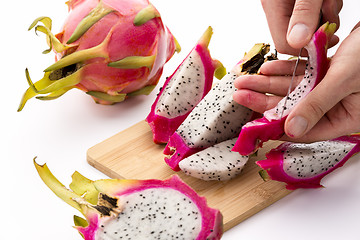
{"x": 217, "y": 162}
{"x": 217, "y": 117}
{"x": 303, "y": 165}
{"x": 184, "y": 89}
{"x": 271, "y": 126}
{"x": 137, "y": 209}
{"x": 110, "y": 49}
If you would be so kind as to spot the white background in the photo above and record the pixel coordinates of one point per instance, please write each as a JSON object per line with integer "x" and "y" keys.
{"x": 60, "y": 132}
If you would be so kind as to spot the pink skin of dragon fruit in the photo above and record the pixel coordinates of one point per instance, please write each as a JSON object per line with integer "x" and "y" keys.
{"x": 302, "y": 165}
{"x": 217, "y": 117}
{"x": 271, "y": 126}
{"x": 137, "y": 209}
{"x": 110, "y": 49}
{"x": 184, "y": 89}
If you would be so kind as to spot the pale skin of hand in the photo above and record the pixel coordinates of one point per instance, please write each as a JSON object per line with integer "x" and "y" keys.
{"x": 293, "y": 22}
{"x": 331, "y": 110}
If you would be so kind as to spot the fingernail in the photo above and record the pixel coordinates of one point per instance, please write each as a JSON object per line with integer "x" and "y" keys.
{"x": 298, "y": 34}
{"x": 297, "y": 126}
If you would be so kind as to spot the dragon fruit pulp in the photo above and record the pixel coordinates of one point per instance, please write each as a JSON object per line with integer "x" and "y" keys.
{"x": 137, "y": 209}
{"x": 303, "y": 165}
{"x": 184, "y": 89}
{"x": 111, "y": 49}
{"x": 217, "y": 162}
{"x": 217, "y": 117}
{"x": 271, "y": 126}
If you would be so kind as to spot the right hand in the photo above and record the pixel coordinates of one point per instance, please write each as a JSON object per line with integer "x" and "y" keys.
{"x": 330, "y": 110}
{"x": 293, "y": 22}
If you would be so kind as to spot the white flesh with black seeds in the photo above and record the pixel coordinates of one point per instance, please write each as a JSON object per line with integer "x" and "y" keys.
{"x": 304, "y": 87}
{"x": 309, "y": 160}
{"x": 155, "y": 213}
{"x": 181, "y": 94}
{"x": 216, "y": 118}
{"x": 215, "y": 163}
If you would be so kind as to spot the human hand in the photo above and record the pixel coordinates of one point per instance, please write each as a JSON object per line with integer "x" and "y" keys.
{"x": 331, "y": 110}
{"x": 293, "y": 22}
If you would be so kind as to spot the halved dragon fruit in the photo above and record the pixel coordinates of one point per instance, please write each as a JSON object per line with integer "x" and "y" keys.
{"x": 217, "y": 162}
{"x": 184, "y": 89}
{"x": 217, "y": 117}
{"x": 111, "y": 49}
{"x": 271, "y": 126}
{"x": 137, "y": 209}
{"x": 303, "y": 165}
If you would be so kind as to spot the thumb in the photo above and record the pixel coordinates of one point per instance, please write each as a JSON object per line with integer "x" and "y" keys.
{"x": 303, "y": 22}
{"x": 307, "y": 113}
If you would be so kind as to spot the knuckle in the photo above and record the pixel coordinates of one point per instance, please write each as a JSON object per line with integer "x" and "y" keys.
{"x": 339, "y": 5}
{"x": 282, "y": 47}
{"x": 303, "y": 6}
{"x": 315, "y": 110}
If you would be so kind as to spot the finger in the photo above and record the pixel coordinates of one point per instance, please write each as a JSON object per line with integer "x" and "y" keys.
{"x": 282, "y": 67}
{"x": 307, "y": 113}
{"x": 330, "y": 12}
{"x": 278, "y": 14}
{"x": 323, "y": 130}
{"x": 276, "y": 85}
{"x": 303, "y": 22}
{"x": 337, "y": 122}
{"x": 333, "y": 41}
{"x": 257, "y": 102}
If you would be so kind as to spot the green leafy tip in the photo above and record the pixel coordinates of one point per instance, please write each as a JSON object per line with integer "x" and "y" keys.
{"x": 57, "y": 187}
{"x": 220, "y": 70}
{"x": 106, "y": 97}
{"x": 84, "y": 187}
{"x": 264, "y": 175}
{"x": 134, "y": 62}
{"x": 93, "y": 17}
{"x": 206, "y": 37}
{"x": 54, "y": 88}
{"x": 143, "y": 91}
{"x": 105, "y": 204}
{"x": 145, "y": 15}
{"x": 177, "y": 45}
{"x": 79, "y": 57}
{"x": 45, "y": 20}
{"x": 52, "y": 41}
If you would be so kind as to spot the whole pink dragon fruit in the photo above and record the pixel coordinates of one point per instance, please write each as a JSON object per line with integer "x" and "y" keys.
{"x": 110, "y": 49}
{"x": 271, "y": 126}
{"x": 137, "y": 209}
{"x": 184, "y": 89}
{"x": 304, "y": 165}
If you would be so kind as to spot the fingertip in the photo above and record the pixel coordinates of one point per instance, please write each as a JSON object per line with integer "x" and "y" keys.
{"x": 299, "y": 35}
{"x": 296, "y": 126}
{"x": 333, "y": 41}
{"x": 242, "y": 81}
{"x": 266, "y": 67}
{"x": 241, "y": 97}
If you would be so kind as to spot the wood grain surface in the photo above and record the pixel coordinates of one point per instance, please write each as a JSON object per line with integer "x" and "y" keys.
{"x": 131, "y": 154}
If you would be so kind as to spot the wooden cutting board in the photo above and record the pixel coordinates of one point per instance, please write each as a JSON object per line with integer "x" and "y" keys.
{"x": 131, "y": 154}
